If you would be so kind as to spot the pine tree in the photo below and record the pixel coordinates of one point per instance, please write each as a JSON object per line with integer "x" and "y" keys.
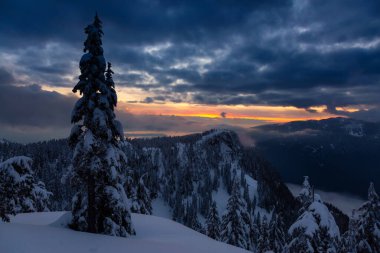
{"x": 348, "y": 241}
{"x": 213, "y": 223}
{"x": 300, "y": 242}
{"x": 263, "y": 243}
{"x": 142, "y": 202}
{"x": 190, "y": 218}
{"x": 277, "y": 237}
{"x": 100, "y": 204}
{"x": 236, "y": 224}
{"x": 315, "y": 230}
{"x": 306, "y": 194}
{"x": 368, "y": 224}
{"x": 19, "y": 190}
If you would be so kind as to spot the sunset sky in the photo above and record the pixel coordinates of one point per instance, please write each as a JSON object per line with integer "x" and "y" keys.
{"x": 187, "y": 66}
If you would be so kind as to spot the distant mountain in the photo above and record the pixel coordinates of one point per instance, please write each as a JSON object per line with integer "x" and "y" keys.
{"x": 339, "y": 154}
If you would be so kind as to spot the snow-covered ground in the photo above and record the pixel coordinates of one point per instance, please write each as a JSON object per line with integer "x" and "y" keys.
{"x": 44, "y": 233}
{"x": 346, "y": 203}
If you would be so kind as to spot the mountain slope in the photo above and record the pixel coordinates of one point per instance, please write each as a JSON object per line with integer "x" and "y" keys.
{"x": 336, "y": 153}
{"x": 183, "y": 171}
{"x": 180, "y": 178}
{"x": 154, "y": 234}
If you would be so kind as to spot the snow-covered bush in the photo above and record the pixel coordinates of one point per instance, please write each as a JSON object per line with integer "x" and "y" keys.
{"x": 368, "y": 224}
{"x": 19, "y": 190}
{"x": 315, "y": 230}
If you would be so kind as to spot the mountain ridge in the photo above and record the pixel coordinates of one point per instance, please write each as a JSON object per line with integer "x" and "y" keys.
{"x": 336, "y": 153}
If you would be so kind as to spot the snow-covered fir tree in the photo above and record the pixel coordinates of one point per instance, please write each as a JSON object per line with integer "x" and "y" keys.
{"x": 191, "y": 215}
{"x": 315, "y": 230}
{"x": 348, "y": 240}
{"x": 100, "y": 204}
{"x": 141, "y": 202}
{"x": 213, "y": 222}
{"x": 368, "y": 224}
{"x": 277, "y": 236}
{"x": 236, "y": 222}
{"x": 19, "y": 190}
{"x": 306, "y": 193}
{"x": 263, "y": 242}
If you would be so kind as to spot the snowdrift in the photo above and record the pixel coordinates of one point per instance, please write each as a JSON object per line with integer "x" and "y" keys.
{"x": 45, "y": 233}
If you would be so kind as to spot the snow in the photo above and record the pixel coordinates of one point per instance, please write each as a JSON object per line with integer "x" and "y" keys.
{"x": 317, "y": 215}
{"x": 221, "y": 198}
{"x": 22, "y": 161}
{"x": 355, "y": 129}
{"x": 161, "y": 209}
{"x": 181, "y": 157}
{"x": 88, "y": 140}
{"x": 211, "y": 134}
{"x": 85, "y": 58}
{"x": 252, "y": 186}
{"x": 38, "y": 218}
{"x": 3, "y": 141}
{"x": 346, "y": 203}
{"x": 30, "y": 233}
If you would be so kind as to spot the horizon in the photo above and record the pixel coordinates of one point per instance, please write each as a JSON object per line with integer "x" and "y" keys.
{"x": 243, "y": 133}
{"x": 189, "y": 67}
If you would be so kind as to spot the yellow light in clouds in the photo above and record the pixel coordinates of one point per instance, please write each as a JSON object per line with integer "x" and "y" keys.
{"x": 347, "y": 109}
{"x": 254, "y": 112}
{"x": 243, "y": 112}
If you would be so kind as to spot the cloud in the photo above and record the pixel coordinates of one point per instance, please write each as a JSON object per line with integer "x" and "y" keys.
{"x": 6, "y": 78}
{"x": 29, "y": 113}
{"x": 32, "y": 106}
{"x": 371, "y": 115}
{"x": 223, "y": 114}
{"x": 148, "y": 100}
{"x": 279, "y": 53}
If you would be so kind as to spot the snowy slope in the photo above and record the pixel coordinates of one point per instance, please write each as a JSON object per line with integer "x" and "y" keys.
{"x": 30, "y": 233}
{"x": 345, "y": 202}
{"x": 316, "y": 216}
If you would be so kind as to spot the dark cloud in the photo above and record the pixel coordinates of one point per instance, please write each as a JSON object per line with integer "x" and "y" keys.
{"x": 148, "y": 100}
{"x": 141, "y": 21}
{"x": 285, "y": 53}
{"x": 33, "y": 107}
{"x": 6, "y": 78}
{"x": 223, "y": 114}
{"x": 29, "y": 113}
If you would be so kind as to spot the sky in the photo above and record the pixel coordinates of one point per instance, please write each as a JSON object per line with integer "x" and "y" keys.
{"x": 188, "y": 66}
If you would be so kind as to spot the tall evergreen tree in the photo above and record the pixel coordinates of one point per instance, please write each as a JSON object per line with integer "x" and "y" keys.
{"x": 368, "y": 224}
{"x": 142, "y": 202}
{"x": 100, "y": 204}
{"x": 306, "y": 193}
{"x": 315, "y": 230}
{"x": 348, "y": 241}
{"x": 213, "y": 223}
{"x": 263, "y": 242}
{"x": 277, "y": 236}
{"x": 236, "y": 223}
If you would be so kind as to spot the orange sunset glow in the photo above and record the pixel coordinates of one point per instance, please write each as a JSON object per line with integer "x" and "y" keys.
{"x": 276, "y": 114}
{"x": 248, "y": 113}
